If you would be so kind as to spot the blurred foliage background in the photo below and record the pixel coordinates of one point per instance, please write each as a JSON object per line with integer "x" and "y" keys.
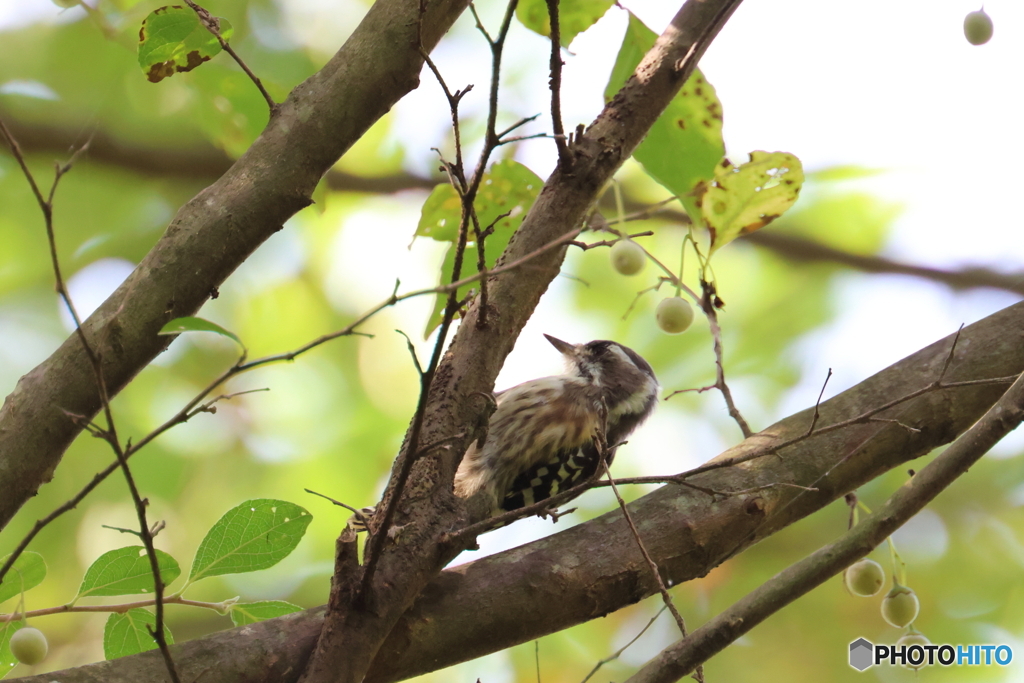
{"x": 333, "y": 419}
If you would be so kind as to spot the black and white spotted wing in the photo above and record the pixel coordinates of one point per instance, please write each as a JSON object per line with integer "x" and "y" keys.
{"x": 568, "y": 468}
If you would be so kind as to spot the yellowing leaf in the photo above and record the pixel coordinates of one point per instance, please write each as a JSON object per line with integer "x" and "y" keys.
{"x": 745, "y": 198}
{"x": 173, "y": 39}
{"x": 574, "y": 16}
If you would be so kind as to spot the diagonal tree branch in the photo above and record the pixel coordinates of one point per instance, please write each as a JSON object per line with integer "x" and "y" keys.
{"x": 362, "y": 616}
{"x": 214, "y": 232}
{"x": 512, "y": 597}
{"x": 688, "y": 654}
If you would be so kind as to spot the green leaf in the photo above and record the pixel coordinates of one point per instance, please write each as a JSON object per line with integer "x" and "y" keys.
{"x": 254, "y": 535}
{"x": 126, "y": 634}
{"x": 685, "y": 144}
{"x": 28, "y": 571}
{"x": 574, "y": 16}
{"x": 173, "y": 39}
{"x": 126, "y": 571}
{"x": 7, "y": 658}
{"x": 193, "y": 324}
{"x": 508, "y": 187}
{"x": 243, "y": 613}
{"x": 745, "y": 198}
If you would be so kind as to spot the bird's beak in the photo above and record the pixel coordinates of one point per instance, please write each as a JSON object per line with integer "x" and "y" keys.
{"x": 564, "y": 348}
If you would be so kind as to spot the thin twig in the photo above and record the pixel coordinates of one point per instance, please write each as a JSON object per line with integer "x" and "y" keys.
{"x": 817, "y": 404}
{"x": 618, "y": 653}
{"x": 356, "y": 511}
{"x": 716, "y": 334}
{"x": 607, "y": 243}
{"x": 680, "y": 479}
{"x": 120, "y": 608}
{"x": 212, "y": 25}
{"x": 110, "y": 433}
{"x": 680, "y": 622}
{"x": 412, "y": 353}
{"x": 555, "y": 83}
{"x": 481, "y": 262}
{"x": 518, "y": 124}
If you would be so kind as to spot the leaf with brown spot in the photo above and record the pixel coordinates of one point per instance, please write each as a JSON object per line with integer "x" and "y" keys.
{"x": 173, "y": 39}
{"x": 685, "y": 143}
{"x": 748, "y": 197}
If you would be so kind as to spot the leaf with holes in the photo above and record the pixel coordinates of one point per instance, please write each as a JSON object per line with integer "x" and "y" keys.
{"x": 254, "y": 535}
{"x": 685, "y": 143}
{"x": 173, "y": 39}
{"x": 745, "y": 198}
{"x": 28, "y": 571}
{"x": 243, "y": 613}
{"x": 506, "y": 194}
{"x": 128, "y": 633}
{"x": 126, "y": 571}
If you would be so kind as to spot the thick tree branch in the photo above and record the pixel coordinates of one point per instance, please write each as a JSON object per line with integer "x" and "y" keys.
{"x": 685, "y": 655}
{"x": 514, "y": 597}
{"x": 213, "y": 233}
{"x": 429, "y": 511}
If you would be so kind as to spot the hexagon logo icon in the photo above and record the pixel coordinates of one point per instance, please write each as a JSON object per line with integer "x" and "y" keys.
{"x": 861, "y": 654}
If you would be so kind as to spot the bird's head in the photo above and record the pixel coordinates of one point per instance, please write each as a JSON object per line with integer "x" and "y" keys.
{"x": 626, "y": 380}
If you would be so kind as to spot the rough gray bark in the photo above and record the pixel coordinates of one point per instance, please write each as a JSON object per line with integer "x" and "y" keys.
{"x": 517, "y": 596}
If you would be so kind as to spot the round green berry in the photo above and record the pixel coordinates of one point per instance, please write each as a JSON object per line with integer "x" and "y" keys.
{"x": 978, "y": 27}
{"x": 674, "y": 315}
{"x": 628, "y": 257}
{"x": 28, "y": 645}
{"x": 900, "y": 606}
{"x": 864, "y": 578}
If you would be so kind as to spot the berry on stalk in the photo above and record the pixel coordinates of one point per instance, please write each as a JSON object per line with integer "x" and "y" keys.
{"x": 628, "y": 257}
{"x": 978, "y": 27}
{"x": 28, "y": 645}
{"x": 674, "y": 315}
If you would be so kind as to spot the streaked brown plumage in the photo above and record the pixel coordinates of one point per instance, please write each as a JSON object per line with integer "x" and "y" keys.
{"x": 542, "y": 438}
